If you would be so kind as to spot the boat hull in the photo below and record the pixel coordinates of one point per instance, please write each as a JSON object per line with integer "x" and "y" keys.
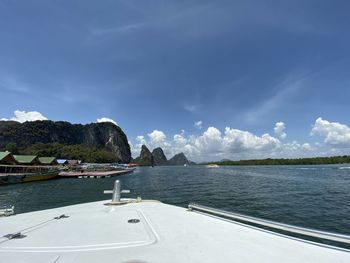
{"x": 26, "y": 177}
{"x": 95, "y": 174}
{"x": 148, "y": 231}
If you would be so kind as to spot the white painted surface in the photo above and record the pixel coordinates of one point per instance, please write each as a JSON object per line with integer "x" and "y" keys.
{"x": 98, "y": 233}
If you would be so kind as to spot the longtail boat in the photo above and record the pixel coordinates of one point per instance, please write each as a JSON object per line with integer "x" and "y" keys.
{"x": 13, "y": 174}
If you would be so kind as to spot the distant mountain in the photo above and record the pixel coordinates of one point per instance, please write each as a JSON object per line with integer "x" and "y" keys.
{"x": 90, "y": 142}
{"x": 145, "y": 158}
{"x": 159, "y": 156}
{"x": 179, "y": 159}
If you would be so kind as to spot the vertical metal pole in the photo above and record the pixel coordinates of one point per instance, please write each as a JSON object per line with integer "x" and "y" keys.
{"x": 116, "y": 192}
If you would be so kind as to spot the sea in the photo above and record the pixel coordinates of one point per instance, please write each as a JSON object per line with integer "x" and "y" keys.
{"x": 310, "y": 196}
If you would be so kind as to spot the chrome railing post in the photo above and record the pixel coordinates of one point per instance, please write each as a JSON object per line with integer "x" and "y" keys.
{"x": 116, "y": 192}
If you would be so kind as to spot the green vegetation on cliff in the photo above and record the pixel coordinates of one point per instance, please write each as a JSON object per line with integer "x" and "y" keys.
{"x": 77, "y": 152}
{"x": 159, "y": 157}
{"x": 94, "y": 142}
{"x": 145, "y": 158}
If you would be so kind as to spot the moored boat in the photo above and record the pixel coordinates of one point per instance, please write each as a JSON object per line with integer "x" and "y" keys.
{"x": 13, "y": 174}
{"x": 93, "y": 174}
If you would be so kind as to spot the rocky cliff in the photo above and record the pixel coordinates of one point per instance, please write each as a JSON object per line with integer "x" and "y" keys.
{"x": 106, "y": 136}
{"x": 145, "y": 158}
{"x": 179, "y": 159}
{"x": 159, "y": 156}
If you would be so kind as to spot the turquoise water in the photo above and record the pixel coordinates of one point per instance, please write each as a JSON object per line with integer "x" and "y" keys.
{"x": 312, "y": 196}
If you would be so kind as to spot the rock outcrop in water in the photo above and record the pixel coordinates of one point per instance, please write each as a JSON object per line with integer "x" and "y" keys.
{"x": 104, "y": 138}
{"x": 179, "y": 159}
{"x": 145, "y": 158}
{"x": 159, "y": 156}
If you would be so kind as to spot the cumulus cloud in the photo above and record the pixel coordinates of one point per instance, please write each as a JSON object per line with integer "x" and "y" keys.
{"x": 23, "y": 116}
{"x": 334, "y": 133}
{"x": 136, "y": 147}
{"x": 198, "y": 124}
{"x": 215, "y": 144}
{"x": 105, "y": 119}
{"x": 212, "y": 144}
{"x": 209, "y": 141}
{"x": 295, "y": 150}
{"x": 155, "y": 139}
{"x": 280, "y": 130}
{"x": 158, "y": 139}
{"x": 241, "y": 141}
{"x": 157, "y": 136}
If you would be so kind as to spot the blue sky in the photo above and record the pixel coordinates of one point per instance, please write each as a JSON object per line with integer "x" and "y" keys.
{"x": 158, "y": 67}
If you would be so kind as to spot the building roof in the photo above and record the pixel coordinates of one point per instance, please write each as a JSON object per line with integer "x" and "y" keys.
{"x": 61, "y": 161}
{"x": 7, "y": 157}
{"x": 3, "y": 155}
{"x": 73, "y": 162}
{"x": 48, "y": 160}
{"x": 25, "y": 159}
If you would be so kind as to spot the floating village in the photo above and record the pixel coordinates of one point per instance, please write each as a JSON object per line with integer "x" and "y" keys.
{"x": 28, "y": 168}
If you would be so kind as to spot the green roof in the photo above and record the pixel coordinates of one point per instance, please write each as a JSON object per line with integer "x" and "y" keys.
{"x": 3, "y": 155}
{"x": 47, "y": 160}
{"x": 25, "y": 159}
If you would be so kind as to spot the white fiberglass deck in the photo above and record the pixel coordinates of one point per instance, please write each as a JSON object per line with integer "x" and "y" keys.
{"x": 94, "y": 232}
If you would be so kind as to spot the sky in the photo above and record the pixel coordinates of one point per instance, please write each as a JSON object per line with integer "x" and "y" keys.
{"x": 213, "y": 79}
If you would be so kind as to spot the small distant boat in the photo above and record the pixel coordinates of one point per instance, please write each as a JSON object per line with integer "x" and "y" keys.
{"x": 14, "y": 174}
{"x": 212, "y": 166}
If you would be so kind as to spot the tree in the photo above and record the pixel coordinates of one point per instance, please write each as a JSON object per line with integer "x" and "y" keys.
{"x": 12, "y": 147}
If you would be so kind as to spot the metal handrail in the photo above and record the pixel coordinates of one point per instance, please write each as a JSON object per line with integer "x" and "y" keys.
{"x": 275, "y": 225}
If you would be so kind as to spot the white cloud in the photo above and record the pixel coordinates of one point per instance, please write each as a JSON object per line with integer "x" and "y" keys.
{"x": 210, "y": 141}
{"x": 295, "y": 150}
{"x": 23, "y": 116}
{"x": 157, "y": 136}
{"x": 334, "y": 133}
{"x": 135, "y": 148}
{"x": 236, "y": 144}
{"x": 241, "y": 141}
{"x": 105, "y": 119}
{"x": 158, "y": 139}
{"x": 198, "y": 124}
{"x": 279, "y": 130}
{"x": 180, "y": 140}
{"x": 212, "y": 144}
